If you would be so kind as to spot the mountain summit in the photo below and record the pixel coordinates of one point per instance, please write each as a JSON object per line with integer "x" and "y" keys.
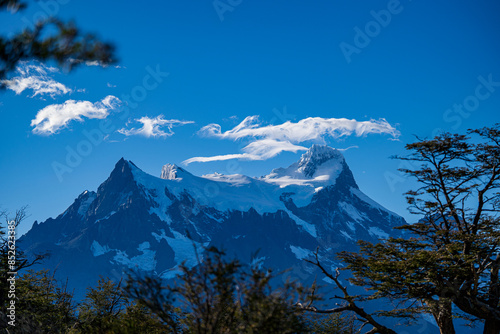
{"x": 135, "y": 221}
{"x": 318, "y": 156}
{"x": 320, "y": 166}
{"x": 169, "y": 172}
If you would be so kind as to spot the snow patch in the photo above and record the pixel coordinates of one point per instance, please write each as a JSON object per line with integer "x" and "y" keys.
{"x": 184, "y": 249}
{"x": 233, "y": 179}
{"x": 328, "y": 280}
{"x": 162, "y": 214}
{"x": 84, "y": 206}
{"x": 378, "y": 232}
{"x": 258, "y": 262}
{"x": 158, "y": 237}
{"x": 145, "y": 261}
{"x": 346, "y": 235}
{"x": 105, "y": 218}
{"x": 351, "y": 226}
{"x": 308, "y": 227}
{"x": 352, "y": 212}
{"x": 217, "y": 219}
{"x": 301, "y": 253}
{"x": 98, "y": 250}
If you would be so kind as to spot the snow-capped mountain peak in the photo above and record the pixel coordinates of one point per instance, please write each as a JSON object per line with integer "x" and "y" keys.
{"x": 170, "y": 172}
{"x": 138, "y": 221}
{"x": 316, "y": 156}
{"x": 319, "y": 166}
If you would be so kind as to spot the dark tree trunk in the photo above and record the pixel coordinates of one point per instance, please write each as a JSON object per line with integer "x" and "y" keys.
{"x": 491, "y": 326}
{"x": 443, "y": 315}
{"x": 446, "y": 325}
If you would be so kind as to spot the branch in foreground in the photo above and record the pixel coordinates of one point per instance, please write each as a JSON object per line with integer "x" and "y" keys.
{"x": 350, "y": 304}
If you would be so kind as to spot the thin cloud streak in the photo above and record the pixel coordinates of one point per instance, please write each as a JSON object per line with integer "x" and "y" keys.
{"x": 242, "y": 156}
{"x": 258, "y": 150}
{"x": 269, "y": 148}
{"x": 151, "y": 127}
{"x": 99, "y": 64}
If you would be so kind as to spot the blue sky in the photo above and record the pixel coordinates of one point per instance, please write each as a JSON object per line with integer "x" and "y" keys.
{"x": 413, "y": 64}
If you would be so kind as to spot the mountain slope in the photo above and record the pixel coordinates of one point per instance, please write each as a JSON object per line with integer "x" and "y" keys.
{"x": 136, "y": 221}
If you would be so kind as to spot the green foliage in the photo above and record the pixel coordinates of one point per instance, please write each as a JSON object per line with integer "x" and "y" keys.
{"x": 335, "y": 323}
{"x": 447, "y": 264}
{"x": 49, "y": 40}
{"x": 42, "y": 304}
{"x": 216, "y": 296}
{"x": 138, "y": 319}
{"x": 12, "y": 5}
{"x": 102, "y": 307}
{"x": 349, "y": 303}
{"x": 106, "y": 309}
{"x": 220, "y": 296}
{"x": 12, "y": 260}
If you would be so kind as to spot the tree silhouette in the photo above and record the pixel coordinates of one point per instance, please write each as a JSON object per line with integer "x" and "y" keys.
{"x": 447, "y": 264}
{"x": 50, "y": 39}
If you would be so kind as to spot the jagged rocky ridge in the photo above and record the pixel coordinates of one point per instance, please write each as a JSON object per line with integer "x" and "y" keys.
{"x": 136, "y": 221}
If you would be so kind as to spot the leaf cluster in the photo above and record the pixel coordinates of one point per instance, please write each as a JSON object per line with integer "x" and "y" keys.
{"x": 50, "y": 39}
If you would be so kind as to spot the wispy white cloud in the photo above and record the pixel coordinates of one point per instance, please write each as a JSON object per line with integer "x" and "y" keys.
{"x": 312, "y": 128}
{"x": 26, "y": 68}
{"x": 241, "y": 156}
{"x": 39, "y": 85}
{"x": 36, "y": 77}
{"x": 270, "y": 140}
{"x": 100, "y": 64}
{"x": 96, "y": 63}
{"x": 152, "y": 127}
{"x": 258, "y": 150}
{"x": 269, "y": 148}
{"x": 55, "y": 117}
